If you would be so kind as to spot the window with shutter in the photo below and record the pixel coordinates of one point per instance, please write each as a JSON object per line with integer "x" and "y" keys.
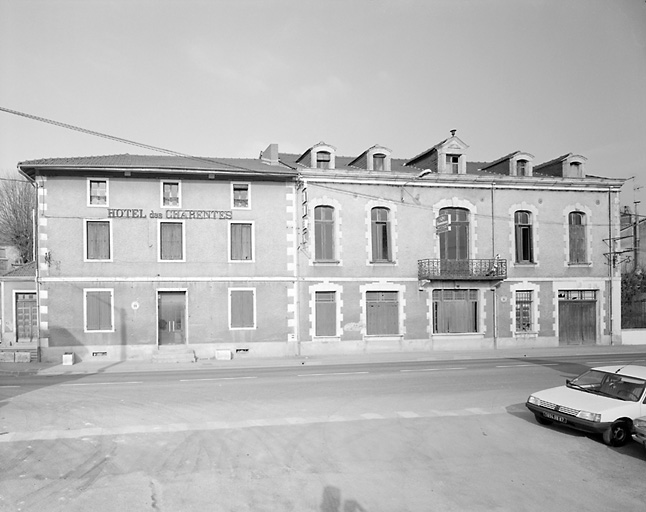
{"x": 241, "y": 241}
{"x": 524, "y": 242}
{"x": 97, "y": 240}
{"x": 171, "y": 241}
{"x": 380, "y": 222}
{"x": 98, "y": 310}
{"x": 382, "y": 313}
{"x": 242, "y": 309}
{"x": 577, "y": 237}
{"x": 325, "y": 314}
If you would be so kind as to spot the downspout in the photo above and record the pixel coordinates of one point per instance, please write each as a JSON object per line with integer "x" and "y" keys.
{"x": 493, "y": 255}
{"x": 611, "y": 265}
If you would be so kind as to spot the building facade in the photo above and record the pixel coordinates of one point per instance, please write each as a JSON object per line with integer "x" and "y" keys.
{"x": 299, "y": 254}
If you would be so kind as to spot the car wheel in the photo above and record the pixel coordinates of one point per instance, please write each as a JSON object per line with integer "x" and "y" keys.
{"x": 617, "y": 435}
{"x": 542, "y": 419}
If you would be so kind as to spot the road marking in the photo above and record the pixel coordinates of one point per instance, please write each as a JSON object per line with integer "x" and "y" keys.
{"x": 513, "y": 365}
{"x": 52, "y": 435}
{"x": 431, "y": 369}
{"x": 331, "y": 373}
{"x": 102, "y": 383}
{"x": 217, "y": 378}
{"x": 608, "y": 362}
{"x": 9, "y": 386}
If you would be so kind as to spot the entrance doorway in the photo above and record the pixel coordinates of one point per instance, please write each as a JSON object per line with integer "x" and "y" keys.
{"x": 577, "y": 317}
{"x": 171, "y": 314}
{"x": 26, "y": 317}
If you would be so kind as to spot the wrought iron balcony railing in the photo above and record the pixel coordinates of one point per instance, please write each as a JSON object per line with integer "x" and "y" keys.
{"x": 483, "y": 270}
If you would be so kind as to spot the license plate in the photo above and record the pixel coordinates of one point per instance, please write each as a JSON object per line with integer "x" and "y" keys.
{"x": 555, "y": 417}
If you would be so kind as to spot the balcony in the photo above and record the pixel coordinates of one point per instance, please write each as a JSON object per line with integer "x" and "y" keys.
{"x": 494, "y": 269}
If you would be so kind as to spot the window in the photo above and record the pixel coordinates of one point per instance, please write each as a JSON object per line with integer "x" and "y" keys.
{"x": 454, "y": 244}
{"x": 323, "y": 159}
{"x": 97, "y": 233}
{"x": 453, "y": 164}
{"x": 577, "y": 237}
{"x": 325, "y": 303}
{"x": 524, "y": 311}
{"x": 521, "y": 168}
{"x": 171, "y": 241}
{"x": 380, "y": 223}
{"x": 98, "y": 310}
{"x": 382, "y": 313}
{"x": 240, "y": 195}
{"x": 324, "y": 233}
{"x": 170, "y": 193}
{"x": 4, "y": 261}
{"x": 242, "y": 310}
{"x": 524, "y": 243}
{"x": 379, "y": 162}
{"x": 455, "y": 311}
{"x": 241, "y": 241}
{"x": 97, "y": 193}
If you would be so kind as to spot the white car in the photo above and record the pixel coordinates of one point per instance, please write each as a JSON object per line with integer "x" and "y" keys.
{"x": 603, "y": 400}
{"x": 639, "y": 431}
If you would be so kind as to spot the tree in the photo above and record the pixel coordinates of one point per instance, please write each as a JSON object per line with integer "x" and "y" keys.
{"x": 17, "y": 203}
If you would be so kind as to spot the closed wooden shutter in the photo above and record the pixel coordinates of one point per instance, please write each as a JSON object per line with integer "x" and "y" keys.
{"x": 98, "y": 240}
{"x": 242, "y": 314}
{"x": 382, "y": 313}
{"x": 241, "y": 242}
{"x": 171, "y": 240}
{"x": 98, "y": 310}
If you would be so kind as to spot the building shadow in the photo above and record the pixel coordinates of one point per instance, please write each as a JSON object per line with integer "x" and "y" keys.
{"x": 332, "y": 502}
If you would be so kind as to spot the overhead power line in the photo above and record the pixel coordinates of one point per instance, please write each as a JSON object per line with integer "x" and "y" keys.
{"x": 117, "y": 139}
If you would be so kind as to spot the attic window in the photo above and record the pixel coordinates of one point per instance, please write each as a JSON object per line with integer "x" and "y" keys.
{"x": 379, "y": 162}
{"x": 521, "y": 168}
{"x": 575, "y": 169}
{"x": 323, "y": 159}
{"x": 453, "y": 164}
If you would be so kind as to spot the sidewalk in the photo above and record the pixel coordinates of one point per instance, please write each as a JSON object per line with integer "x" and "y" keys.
{"x": 92, "y": 367}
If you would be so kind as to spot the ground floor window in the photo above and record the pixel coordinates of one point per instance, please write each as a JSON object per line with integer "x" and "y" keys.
{"x": 325, "y": 314}
{"x": 455, "y": 311}
{"x": 524, "y": 320}
{"x": 382, "y": 313}
{"x": 242, "y": 308}
{"x": 99, "y": 310}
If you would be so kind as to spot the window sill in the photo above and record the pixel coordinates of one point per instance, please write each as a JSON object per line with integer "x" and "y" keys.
{"x": 383, "y": 262}
{"x": 525, "y": 263}
{"x": 583, "y": 264}
{"x": 531, "y": 334}
{"x": 326, "y": 262}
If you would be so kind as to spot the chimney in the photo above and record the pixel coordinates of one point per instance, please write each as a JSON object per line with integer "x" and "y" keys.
{"x": 270, "y": 155}
{"x": 453, "y": 133}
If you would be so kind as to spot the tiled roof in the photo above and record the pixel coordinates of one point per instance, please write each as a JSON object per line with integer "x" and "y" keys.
{"x": 166, "y": 162}
{"x": 26, "y": 270}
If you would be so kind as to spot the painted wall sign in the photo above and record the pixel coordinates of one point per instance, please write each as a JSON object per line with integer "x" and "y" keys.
{"x": 138, "y": 213}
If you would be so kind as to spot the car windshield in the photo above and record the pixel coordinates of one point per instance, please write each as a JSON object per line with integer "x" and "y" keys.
{"x": 611, "y": 385}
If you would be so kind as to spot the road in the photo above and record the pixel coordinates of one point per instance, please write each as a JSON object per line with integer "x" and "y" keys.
{"x": 409, "y": 436}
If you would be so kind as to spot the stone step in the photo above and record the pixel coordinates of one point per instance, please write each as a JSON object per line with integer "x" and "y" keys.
{"x": 174, "y": 355}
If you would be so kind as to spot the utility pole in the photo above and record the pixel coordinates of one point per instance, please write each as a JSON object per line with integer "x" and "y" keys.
{"x": 636, "y": 231}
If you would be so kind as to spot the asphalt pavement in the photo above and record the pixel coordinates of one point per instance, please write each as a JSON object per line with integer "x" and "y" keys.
{"x": 245, "y": 361}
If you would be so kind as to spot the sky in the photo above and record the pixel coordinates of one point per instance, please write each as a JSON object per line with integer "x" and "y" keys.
{"x": 226, "y": 78}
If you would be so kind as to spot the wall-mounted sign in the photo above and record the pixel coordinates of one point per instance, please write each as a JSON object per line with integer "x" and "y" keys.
{"x": 138, "y": 213}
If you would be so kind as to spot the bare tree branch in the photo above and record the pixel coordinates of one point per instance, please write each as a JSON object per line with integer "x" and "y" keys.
{"x": 17, "y": 202}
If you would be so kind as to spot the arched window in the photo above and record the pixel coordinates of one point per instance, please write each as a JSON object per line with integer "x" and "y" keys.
{"x": 379, "y": 162}
{"x": 324, "y": 233}
{"x": 576, "y": 221}
{"x": 380, "y": 222}
{"x": 524, "y": 237}
{"x": 454, "y": 244}
{"x": 521, "y": 168}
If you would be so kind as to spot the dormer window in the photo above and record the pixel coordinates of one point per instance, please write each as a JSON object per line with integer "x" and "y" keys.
{"x": 379, "y": 162}
{"x": 522, "y": 168}
{"x": 575, "y": 169}
{"x": 453, "y": 164}
{"x": 323, "y": 159}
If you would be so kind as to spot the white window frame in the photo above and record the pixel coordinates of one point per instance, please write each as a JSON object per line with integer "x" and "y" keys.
{"x": 171, "y": 221}
{"x": 107, "y": 193}
{"x": 255, "y": 322}
{"x": 85, "y": 258}
{"x": 392, "y": 239}
{"x": 85, "y": 292}
{"x": 179, "y": 194}
{"x": 238, "y": 183}
{"x": 253, "y": 241}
